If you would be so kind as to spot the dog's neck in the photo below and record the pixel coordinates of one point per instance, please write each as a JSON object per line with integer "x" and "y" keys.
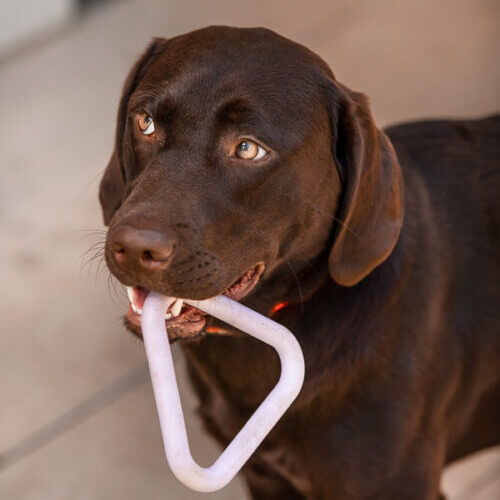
{"x": 290, "y": 283}
{"x": 333, "y": 349}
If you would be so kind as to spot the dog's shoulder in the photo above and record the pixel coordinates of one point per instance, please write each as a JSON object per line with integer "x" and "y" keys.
{"x": 445, "y": 141}
{"x": 457, "y": 159}
{"x": 451, "y": 172}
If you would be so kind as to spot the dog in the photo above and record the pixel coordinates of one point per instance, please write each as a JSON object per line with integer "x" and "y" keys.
{"x": 242, "y": 166}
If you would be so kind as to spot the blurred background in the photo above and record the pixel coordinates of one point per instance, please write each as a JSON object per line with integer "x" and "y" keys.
{"x": 77, "y": 417}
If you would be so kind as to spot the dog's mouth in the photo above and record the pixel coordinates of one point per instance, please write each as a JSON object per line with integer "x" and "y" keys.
{"x": 182, "y": 320}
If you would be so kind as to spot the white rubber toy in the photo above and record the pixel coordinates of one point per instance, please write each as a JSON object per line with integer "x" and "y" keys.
{"x": 168, "y": 402}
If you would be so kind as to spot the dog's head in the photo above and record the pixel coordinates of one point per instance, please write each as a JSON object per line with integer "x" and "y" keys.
{"x": 240, "y": 158}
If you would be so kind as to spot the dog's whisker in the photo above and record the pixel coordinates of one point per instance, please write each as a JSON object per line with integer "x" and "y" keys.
{"x": 91, "y": 261}
{"x": 90, "y": 230}
{"x": 336, "y": 219}
{"x": 98, "y": 245}
{"x": 87, "y": 264}
{"x": 89, "y": 233}
{"x": 111, "y": 289}
{"x": 99, "y": 268}
{"x": 342, "y": 223}
{"x": 117, "y": 293}
{"x": 91, "y": 255}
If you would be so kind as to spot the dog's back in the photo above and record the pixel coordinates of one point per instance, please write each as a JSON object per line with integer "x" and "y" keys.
{"x": 452, "y": 169}
{"x": 460, "y": 162}
{"x": 452, "y": 186}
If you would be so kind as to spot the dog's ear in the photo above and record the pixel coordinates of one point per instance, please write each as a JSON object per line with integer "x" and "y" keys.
{"x": 111, "y": 189}
{"x": 112, "y": 186}
{"x": 370, "y": 211}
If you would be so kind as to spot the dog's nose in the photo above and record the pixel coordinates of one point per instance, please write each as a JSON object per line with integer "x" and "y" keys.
{"x": 144, "y": 248}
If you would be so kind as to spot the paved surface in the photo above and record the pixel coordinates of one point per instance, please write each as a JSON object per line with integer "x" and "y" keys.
{"x": 77, "y": 416}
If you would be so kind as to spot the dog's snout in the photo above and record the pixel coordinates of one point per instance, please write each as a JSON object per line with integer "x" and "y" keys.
{"x": 134, "y": 248}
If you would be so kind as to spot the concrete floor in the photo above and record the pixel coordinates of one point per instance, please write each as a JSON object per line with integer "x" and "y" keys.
{"x": 77, "y": 415}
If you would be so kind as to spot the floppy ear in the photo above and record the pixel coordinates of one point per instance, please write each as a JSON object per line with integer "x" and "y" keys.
{"x": 371, "y": 206}
{"x": 112, "y": 186}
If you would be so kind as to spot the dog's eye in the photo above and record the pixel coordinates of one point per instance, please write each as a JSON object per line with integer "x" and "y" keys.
{"x": 249, "y": 150}
{"x": 146, "y": 124}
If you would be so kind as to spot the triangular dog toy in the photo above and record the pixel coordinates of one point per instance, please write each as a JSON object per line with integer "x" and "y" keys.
{"x": 168, "y": 402}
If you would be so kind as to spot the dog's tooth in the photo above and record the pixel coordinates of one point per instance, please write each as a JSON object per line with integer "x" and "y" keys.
{"x": 168, "y": 315}
{"x": 135, "y": 309}
{"x": 176, "y": 308}
{"x": 130, "y": 293}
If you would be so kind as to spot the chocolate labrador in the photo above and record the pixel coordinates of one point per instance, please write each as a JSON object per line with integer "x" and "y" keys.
{"x": 242, "y": 166}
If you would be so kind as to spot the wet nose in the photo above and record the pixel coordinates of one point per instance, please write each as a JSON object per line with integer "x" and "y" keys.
{"x": 134, "y": 248}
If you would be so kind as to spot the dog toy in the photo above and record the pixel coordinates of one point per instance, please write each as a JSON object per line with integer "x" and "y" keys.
{"x": 166, "y": 392}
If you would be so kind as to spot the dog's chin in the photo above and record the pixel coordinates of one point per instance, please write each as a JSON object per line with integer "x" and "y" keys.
{"x": 189, "y": 322}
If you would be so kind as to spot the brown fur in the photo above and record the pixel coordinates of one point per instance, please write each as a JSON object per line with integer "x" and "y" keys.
{"x": 384, "y": 246}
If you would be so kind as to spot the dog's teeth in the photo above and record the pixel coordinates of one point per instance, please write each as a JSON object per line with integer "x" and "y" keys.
{"x": 168, "y": 315}
{"x": 176, "y": 308}
{"x": 130, "y": 293}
